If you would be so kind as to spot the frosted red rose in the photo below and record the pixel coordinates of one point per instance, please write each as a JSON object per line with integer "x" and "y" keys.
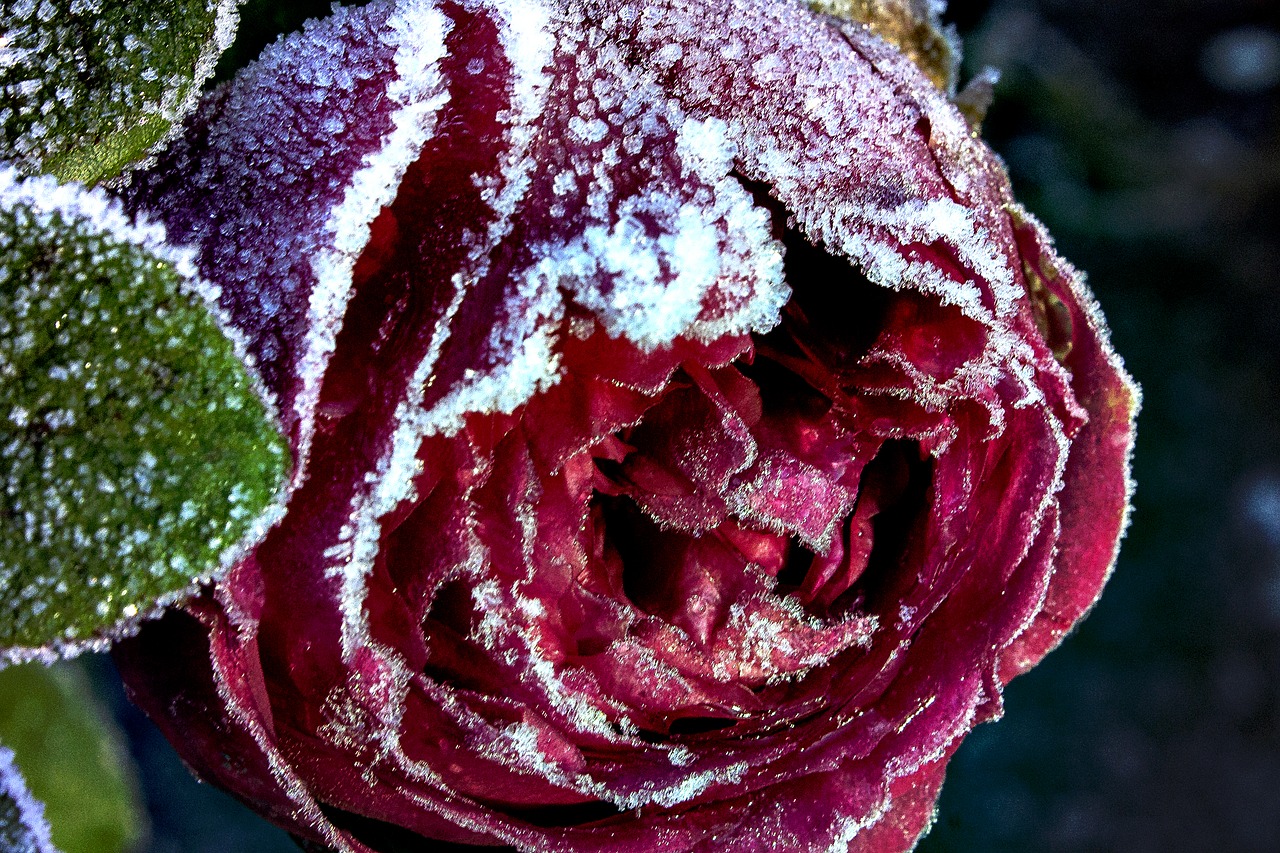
{"x": 692, "y": 434}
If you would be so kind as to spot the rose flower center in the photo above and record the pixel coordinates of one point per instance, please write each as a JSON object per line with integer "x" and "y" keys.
{"x": 751, "y": 488}
{"x": 747, "y": 525}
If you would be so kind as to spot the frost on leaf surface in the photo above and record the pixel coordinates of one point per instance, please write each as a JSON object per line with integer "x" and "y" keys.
{"x": 91, "y": 86}
{"x": 138, "y": 451}
{"x": 22, "y": 825}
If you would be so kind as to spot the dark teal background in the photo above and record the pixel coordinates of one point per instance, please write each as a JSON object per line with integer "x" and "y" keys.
{"x": 1147, "y": 136}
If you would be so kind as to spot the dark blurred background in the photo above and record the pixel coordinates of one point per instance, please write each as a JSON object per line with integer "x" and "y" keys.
{"x": 1147, "y": 136}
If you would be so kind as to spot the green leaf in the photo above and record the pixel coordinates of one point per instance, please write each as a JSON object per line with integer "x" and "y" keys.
{"x": 72, "y": 757}
{"x": 92, "y": 86}
{"x": 138, "y": 454}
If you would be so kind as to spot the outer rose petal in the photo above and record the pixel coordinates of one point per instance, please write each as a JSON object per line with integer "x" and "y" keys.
{"x": 595, "y": 545}
{"x": 1095, "y": 501}
{"x": 217, "y": 714}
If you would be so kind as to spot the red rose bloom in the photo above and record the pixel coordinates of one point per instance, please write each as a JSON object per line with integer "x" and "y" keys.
{"x": 692, "y": 434}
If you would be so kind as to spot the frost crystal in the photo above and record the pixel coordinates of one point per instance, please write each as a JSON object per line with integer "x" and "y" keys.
{"x": 23, "y": 828}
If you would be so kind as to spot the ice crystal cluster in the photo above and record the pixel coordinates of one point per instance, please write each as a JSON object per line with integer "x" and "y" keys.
{"x": 137, "y": 450}
{"x": 692, "y": 435}
{"x": 89, "y": 86}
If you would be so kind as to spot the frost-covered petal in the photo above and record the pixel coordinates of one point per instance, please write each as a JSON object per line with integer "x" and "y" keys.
{"x": 217, "y": 716}
{"x": 1095, "y": 499}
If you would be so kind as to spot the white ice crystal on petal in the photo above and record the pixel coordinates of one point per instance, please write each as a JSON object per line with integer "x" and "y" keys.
{"x": 418, "y": 30}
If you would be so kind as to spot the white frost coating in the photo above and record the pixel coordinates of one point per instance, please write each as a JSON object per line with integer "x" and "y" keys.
{"x": 55, "y": 91}
{"x": 498, "y": 633}
{"x": 177, "y": 101}
{"x": 653, "y": 288}
{"x": 646, "y": 304}
{"x": 353, "y": 556}
{"x": 364, "y": 713}
{"x": 531, "y": 366}
{"x": 943, "y": 219}
{"x": 851, "y": 827}
{"x": 807, "y": 144}
{"x": 417, "y": 31}
{"x": 518, "y": 747}
{"x": 686, "y": 789}
{"x": 99, "y": 213}
{"x": 30, "y": 810}
{"x": 95, "y": 210}
{"x": 506, "y": 633}
{"x": 775, "y": 471}
{"x": 527, "y": 339}
{"x": 679, "y": 756}
{"x": 534, "y": 367}
{"x": 9, "y": 55}
{"x": 926, "y": 222}
{"x": 282, "y": 772}
{"x": 525, "y": 30}
{"x": 1097, "y": 324}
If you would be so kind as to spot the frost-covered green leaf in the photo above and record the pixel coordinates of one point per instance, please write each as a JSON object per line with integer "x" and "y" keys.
{"x": 89, "y": 86}
{"x": 137, "y": 452}
{"x": 72, "y": 757}
{"x": 22, "y": 825}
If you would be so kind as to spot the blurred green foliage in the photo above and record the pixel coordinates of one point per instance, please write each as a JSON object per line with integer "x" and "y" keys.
{"x": 73, "y": 758}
